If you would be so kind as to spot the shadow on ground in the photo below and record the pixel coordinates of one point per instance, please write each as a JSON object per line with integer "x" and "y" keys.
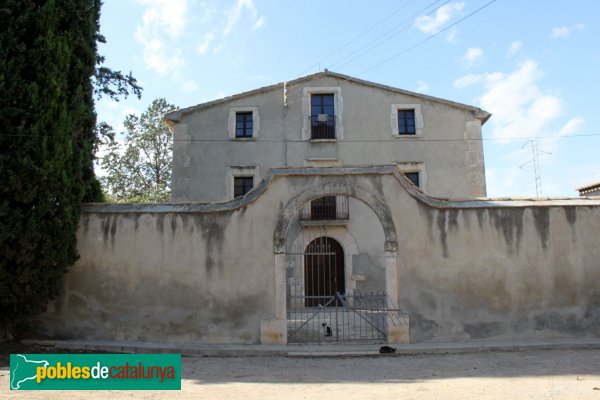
{"x": 393, "y": 368}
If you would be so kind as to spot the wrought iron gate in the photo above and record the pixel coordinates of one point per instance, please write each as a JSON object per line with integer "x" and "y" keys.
{"x": 319, "y": 309}
{"x": 358, "y": 317}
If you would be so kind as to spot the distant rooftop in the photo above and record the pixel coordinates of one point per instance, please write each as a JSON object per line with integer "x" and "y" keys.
{"x": 592, "y": 187}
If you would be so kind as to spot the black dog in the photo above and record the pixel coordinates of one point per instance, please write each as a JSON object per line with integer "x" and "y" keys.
{"x": 387, "y": 350}
{"x": 327, "y": 329}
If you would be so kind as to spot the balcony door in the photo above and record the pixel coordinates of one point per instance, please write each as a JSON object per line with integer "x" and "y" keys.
{"x": 322, "y": 116}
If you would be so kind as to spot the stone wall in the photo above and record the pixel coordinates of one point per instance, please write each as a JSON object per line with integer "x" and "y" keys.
{"x": 462, "y": 270}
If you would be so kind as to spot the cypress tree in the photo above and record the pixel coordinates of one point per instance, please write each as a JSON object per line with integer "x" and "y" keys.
{"x": 47, "y": 120}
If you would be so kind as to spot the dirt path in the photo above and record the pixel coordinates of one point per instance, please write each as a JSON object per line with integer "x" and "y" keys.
{"x": 544, "y": 374}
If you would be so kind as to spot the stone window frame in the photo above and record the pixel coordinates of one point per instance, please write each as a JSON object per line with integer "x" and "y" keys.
{"x": 338, "y": 107}
{"x": 240, "y": 171}
{"x": 419, "y": 124}
{"x": 418, "y": 167}
{"x": 231, "y": 122}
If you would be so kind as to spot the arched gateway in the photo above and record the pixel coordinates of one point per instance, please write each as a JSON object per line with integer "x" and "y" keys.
{"x": 315, "y": 251}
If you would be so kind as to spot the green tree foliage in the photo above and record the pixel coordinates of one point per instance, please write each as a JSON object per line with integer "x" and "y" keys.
{"x": 48, "y": 59}
{"x": 140, "y": 169}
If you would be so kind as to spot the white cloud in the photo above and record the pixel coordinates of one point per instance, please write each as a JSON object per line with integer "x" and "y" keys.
{"x": 571, "y": 127}
{"x": 451, "y": 36}
{"x": 422, "y": 87}
{"x": 259, "y": 23}
{"x": 561, "y": 32}
{"x": 165, "y": 15}
{"x": 468, "y": 80}
{"x": 163, "y": 21}
{"x": 218, "y": 49}
{"x": 514, "y": 48}
{"x": 157, "y": 57}
{"x": 234, "y": 15}
{"x": 203, "y": 46}
{"x": 429, "y": 24}
{"x": 565, "y": 31}
{"x": 472, "y": 57}
{"x": 520, "y": 107}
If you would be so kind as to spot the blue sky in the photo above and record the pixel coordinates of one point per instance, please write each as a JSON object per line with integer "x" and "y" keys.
{"x": 533, "y": 64}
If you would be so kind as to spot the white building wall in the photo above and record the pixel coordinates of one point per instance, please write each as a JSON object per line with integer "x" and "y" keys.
{"x": 447, "y": 145}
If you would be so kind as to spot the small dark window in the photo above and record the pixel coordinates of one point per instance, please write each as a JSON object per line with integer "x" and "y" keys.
{"x": 406, "y": 122}
{"x": 243, "y": 124}
{"x": 242, "y": 185}
{"x": 413, "y": 177}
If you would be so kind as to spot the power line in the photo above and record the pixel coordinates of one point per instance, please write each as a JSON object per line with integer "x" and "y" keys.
{"x": 400, "y": 26}
{"x": 392, "y": 140}
{"x": 359, "y": 36}
{"x": 427, "y": 38}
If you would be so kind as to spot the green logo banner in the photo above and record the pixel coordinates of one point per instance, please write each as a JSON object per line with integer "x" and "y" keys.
{"x": 95, "y": 371}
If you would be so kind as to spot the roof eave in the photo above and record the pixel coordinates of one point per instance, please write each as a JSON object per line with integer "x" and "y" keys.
{"x": 480, "y": 114}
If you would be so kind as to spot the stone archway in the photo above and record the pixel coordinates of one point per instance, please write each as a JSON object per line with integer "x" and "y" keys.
{"x": 377, "y": 204}
{"x": 335, "y": 186}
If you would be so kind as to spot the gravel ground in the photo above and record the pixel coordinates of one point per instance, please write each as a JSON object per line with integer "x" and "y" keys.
{"x": 540, "y": 374}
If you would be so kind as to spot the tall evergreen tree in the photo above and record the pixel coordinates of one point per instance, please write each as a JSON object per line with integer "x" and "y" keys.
{"x": 47, "y": 120}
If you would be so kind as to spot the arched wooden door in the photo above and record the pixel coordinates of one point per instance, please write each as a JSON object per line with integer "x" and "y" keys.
{"x": 323, "y": 271}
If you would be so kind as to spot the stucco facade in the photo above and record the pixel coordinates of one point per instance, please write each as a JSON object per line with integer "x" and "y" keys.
{"x": 446, "y": 149}
{"x": 217, "y": 269}
{"x": 215, "y": 273}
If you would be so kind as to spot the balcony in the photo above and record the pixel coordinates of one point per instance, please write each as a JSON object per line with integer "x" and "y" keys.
{"x": 329, "y": 210}
{"x": 322, "y": 126}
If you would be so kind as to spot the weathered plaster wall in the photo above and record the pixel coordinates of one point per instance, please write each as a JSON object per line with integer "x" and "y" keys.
{"x": 144, "y": 276}
{"x": 450, "y": 148}
{"x": 502, "y": 273}
{"x": 480, "y": 270}
{"x": 464, "y": 270}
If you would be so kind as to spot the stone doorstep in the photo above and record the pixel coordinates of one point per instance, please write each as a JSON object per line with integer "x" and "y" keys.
{"x": 313, "y": 351}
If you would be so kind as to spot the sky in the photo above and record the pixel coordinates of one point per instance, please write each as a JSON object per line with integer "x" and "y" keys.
{"x": 535, "y": 65}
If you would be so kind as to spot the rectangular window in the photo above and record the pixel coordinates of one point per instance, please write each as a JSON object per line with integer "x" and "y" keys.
{"x": 322, "y": 116}
{"x": 243, "y": 124}
{"x": 242, "y": 185}
{"x": 413, "y": 177}
{"x": 406, "y": 122}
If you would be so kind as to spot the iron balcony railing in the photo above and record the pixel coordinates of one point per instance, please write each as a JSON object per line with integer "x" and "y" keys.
{"x": 322, "y": 126}
{"x": 328, "y": 208}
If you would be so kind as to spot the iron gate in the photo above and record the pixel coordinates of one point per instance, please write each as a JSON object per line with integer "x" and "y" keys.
{"x": 319, "y": 308}
{"x": 343, "y": 317}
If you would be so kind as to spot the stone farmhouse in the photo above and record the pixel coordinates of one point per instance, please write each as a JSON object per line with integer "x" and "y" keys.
{"x": 331, "y": 209}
